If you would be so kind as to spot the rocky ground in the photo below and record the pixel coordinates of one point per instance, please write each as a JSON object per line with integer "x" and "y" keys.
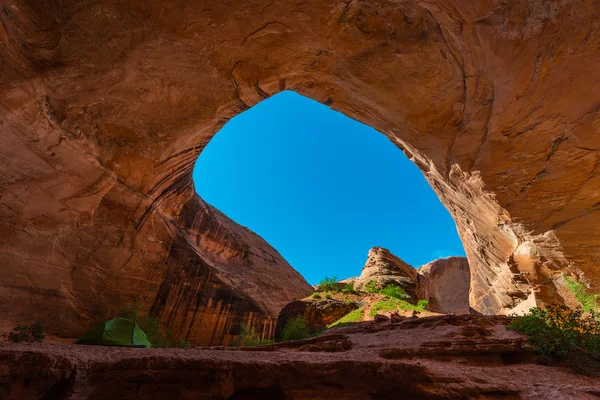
{"x": 437, "y": 357}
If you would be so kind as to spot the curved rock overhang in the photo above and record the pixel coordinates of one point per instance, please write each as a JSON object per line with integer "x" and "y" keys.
{"x": 105, "y": 107}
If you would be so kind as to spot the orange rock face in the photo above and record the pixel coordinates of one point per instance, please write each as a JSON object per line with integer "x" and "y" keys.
{"x": 444, "y": 283}
{"x": 105, "y": 106}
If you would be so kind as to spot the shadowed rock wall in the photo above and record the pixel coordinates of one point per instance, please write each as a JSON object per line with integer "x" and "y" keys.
{"x": 105, "y": 106}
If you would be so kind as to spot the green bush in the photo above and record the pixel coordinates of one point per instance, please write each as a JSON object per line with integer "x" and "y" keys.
{"x": 316, "y": 295}
{"x": 348, "y": 319}
{"x": 589, "y": 301}
{"x": 349, "y": 288}
{"x": 395, "y": 292}
{"x": 27, "y": 334}
{"x": 558, "y": 332}
{"x": 248, "y": 337}
{"x": 392, "y": 304}
{"x": 371, "y": 287}
{"x": 329, "y": 284}
{"x": 295, "y": 329}
{"x": 327, "y": 295}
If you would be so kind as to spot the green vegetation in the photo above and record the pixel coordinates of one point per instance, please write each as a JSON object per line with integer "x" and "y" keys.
{"x": 27, "y": 334}
{"x": 395, "y": 292}
{"x": 327, "y": 295}
{"x": 589, "y": 301}
{"x": 295, "y": 329}
{"x": 248, "y": 337}
{"x": 316, "y": 295}
{"x": 371, "y": 287}
{"x": 157, "y": 335}
{"x": 393, "y": 304}
{"x": 349, "y": 288}
{"x": 348, "y": 319}
{"x": 557, "y": 332}
{"x": 329, "y": 284}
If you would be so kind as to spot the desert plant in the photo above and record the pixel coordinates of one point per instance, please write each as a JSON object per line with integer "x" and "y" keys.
{"x": 316, "y": 295}
{"x": 329, "y": 284}
{"x": 327, "y": 295}
{"x": 371, "y": 287}
{"x": 589, "y": 301}
{"x": 248, "y": 337}
{"x": 27, "y": 334}
{"x": 295, "y": 329}
{"x": 558, "y": 332}
{"x": 349, "y": 288}
{"x": 394, "y": 291}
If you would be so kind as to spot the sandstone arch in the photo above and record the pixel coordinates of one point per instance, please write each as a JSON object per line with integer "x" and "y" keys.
{"x": 105, "y": 107}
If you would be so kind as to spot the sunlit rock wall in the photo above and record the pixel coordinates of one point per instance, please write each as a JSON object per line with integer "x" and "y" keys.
{"x": 105, "y": 106}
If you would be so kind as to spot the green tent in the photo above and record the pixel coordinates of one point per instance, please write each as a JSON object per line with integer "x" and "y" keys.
{"x": 116, "y": 332}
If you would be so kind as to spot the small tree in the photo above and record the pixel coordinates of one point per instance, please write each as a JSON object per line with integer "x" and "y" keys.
{"x": 295, "y": 329}
{"x": 329, "y": 284}
{"x": 557, "y": 332}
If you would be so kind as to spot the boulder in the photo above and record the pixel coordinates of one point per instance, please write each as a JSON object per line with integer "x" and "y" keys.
{"x": 318, "y": 313}
{"x": 445, "y": 284}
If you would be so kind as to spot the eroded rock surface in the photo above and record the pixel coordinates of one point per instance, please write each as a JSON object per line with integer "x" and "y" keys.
{"x": 445, "y": 283}
{"x": 317, "y": 313}
{"x": 444, "y": 357}
{"x": 105, "y": 106}
{"x": 384, "y": 269}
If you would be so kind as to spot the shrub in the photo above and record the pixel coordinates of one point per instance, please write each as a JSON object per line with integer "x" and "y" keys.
{"x": 295, "y": 329}
{"x": 329, "y": 284}
{"x": 557, "y": 332}
{"x": 349, "y": 288}
{"x": 27, "y": 334}
{"x": 588, "y": 301}
{"x": 327, "y": 295}
{"x": 392, "y": 304}
{"x": 371, "y": 287}
{"x": 316, "y": 295}
{"x": 394, "y": 291}
{"x": 351, "y": 318}
{"x": 248, "y": 337}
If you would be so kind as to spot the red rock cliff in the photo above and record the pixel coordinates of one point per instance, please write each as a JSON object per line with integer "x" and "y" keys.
{"x": 105, "y": 106}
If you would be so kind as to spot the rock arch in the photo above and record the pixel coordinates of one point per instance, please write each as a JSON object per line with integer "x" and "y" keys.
{"x": 106, "y": 106}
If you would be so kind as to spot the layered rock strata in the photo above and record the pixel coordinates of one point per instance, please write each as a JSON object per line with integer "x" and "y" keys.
{"x": 444, "y": 357}
{"x": 384, "y": 268}
{"x": 105, "y": 106}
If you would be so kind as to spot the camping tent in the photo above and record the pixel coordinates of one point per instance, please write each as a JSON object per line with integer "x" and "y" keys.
{"x": 116, "y": 332}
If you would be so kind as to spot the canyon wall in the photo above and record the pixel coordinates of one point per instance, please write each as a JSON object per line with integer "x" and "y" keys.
{"x": 105, "y": 106}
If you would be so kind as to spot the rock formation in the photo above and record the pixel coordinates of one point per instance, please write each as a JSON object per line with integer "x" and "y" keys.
{"x": 444, "y": 283}
{"x": 384, "y": 269}
{"x": 444, "y": 357}
{"x": 318, "y": 313}
{"x": 105, "y": 106}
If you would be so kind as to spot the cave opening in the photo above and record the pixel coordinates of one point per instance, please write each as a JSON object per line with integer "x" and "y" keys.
{"x": 322, "y": 189}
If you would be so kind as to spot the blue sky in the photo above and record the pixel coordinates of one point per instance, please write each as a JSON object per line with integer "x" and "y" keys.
{"x": 322, "y": 189}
